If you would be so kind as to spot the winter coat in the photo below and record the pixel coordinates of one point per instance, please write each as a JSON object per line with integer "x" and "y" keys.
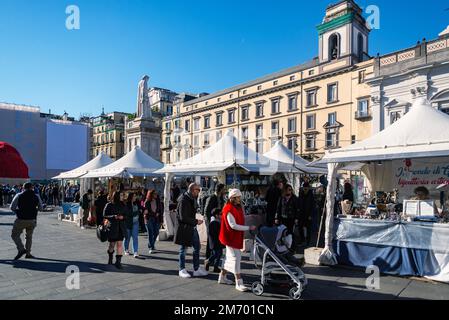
{"x": 186, "y": 215}
{"x": 118, "y": 227}
{"x": 288, "y": 210}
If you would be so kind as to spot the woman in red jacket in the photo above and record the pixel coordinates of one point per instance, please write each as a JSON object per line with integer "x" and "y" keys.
{"x": 232, "y": 235}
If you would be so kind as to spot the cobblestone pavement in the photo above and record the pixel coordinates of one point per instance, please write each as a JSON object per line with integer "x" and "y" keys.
{"x": 58, "y": 245}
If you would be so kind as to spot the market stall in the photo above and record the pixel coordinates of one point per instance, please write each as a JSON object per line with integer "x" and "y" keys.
{"x": 232, "y": 162}
{"x": 398, "y": 235}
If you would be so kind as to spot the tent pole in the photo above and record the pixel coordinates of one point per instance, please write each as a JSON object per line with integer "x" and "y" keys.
{"x": 235, "y": 175}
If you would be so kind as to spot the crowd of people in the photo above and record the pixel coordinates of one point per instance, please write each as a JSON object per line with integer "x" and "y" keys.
{"x": 223, "y": 215}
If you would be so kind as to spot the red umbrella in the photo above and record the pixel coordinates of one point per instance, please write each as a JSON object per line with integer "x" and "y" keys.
{"x": 11, "y": 163}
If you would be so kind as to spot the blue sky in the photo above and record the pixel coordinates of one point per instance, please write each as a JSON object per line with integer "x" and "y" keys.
{"x": 191, "y": 46}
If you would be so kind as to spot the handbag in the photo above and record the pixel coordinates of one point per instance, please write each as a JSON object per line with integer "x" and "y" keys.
{"x": 103, "y": 231}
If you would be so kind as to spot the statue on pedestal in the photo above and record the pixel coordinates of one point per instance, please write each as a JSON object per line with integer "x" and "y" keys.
{"x": 143, "y": 105}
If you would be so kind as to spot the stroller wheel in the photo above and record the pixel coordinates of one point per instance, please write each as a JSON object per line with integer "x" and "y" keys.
{"x": 257, "y": 288}
{"x": 295, "y": 293}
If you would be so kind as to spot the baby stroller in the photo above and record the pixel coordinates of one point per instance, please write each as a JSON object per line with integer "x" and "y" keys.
{"x": 278, "y": 265}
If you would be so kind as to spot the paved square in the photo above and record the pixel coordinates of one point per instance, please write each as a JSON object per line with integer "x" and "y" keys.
{"x": 58, "y": 245}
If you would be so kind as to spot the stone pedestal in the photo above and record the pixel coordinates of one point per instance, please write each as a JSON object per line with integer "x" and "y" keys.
{"x": 312, "y": 255}
{"x": 147, "y": 134}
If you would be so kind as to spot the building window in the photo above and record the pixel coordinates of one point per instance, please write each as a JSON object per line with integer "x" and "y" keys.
{"x": 334, "y": 46}
{"x": 259, "y": 109}
{"x": 231, "y": 96}
{"x": 231, "y": 116}
{"x": 275, "y": 83}
{"x": 196, "y": 140}
{"x": 187, "y": 125}
{"x": 259, "y": 87}
{"x": 186, "y": 153}
{"x": 310, "y": 142}
{"x": 360, "y": 47}
{"x": 331, "y": 138}
{"x": 167, "y": 141}
{"x": 244, "y": 92}
{"x": 362, "y": 76}
{"x": 311, "y": 98}
{"x": 196, "y": 124}
{"x": 259, "y": 146}
{"x": 292, "y": 125}
{"x": 177, "y": 124}
{"x": 332, "y": 92}
{"x": 207, "y": 102}
{"x": 310, "y": 122}
{"x": 177, "y": 139}
{"x": 206, "y": 139}
{"x": 292, "y": 78}
{"x": 168, "y": 156}
{"x": 218, "y": 135}
{"x": 292, "y": 103}
{"x": 362, "y": 108}
{"x": 259, "y": 131}
{"x": 275, "y": 128}
{"x": 332, "y": 119}
{"x": 353, "y": 140}
{"x": 218, "y": 99}
{"x": 244, "y": 133}
{"x": 275, "y": 106}
{"x": 245, "y": 113}
{"x": 219, "y": 119}
{"x": 311, "y": 72}
{"x": 395, "y": 116}
{"x": 207, "y": 122}
{"x": 292, "y": 145}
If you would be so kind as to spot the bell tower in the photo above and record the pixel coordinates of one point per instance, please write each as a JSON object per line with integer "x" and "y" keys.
{"x": 343, "y": 34}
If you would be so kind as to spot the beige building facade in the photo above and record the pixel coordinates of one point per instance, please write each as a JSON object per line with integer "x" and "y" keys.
{"x": 108, "y": 135}
{"x": 319, "y": 105}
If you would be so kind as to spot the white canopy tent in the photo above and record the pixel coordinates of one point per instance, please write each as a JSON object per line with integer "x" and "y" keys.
{"x": 134, "y": 164}
{"x": 99, "y": 161}
{"x": 281, "y": 153}
{"x": 421, "y": 133}
{"x": 226, "y": 153}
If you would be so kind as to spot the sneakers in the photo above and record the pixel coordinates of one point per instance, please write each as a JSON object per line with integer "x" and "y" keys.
{"x": 20, "y": 254}
{"x": 223, "y": 280}
{"x": 200, "y": 273}
{"x": 127, "y": 253}
{"x": 136, "y": 255}
{"x": 150, "y": 251}
{"x": 240, "y": 286}
{"x": 184, "y": 274}
{"x": 30, "y": 256}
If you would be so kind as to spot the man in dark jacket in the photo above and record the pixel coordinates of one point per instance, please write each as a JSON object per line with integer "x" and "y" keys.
{"x": 288, "y": 210}
{"x": 26, "y": 205}
{"x": 215, "y": 201}
{"x": 308, "y": 210}
{"x": 86, "y": 202}
{"x": 99, "y": 205}
{"x": 186, "y": 234}
{"x": 274, "y": 193}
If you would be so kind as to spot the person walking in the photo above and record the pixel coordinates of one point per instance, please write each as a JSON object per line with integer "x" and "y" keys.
{"x": 132, "y": 225}
{"x": 216, "y": 247}
{"x": 213, "y": 202}
{"x": 232, "y": 236}
{"x": 99, "y": 204}
{"x": 186, "y": 234}
{"x": 86, "y": 203}
{"x": 114, "y": 213}
{"x": 26, "y": 206}
{"x": 55, "y": 195}
{"x": 152, "y": 214}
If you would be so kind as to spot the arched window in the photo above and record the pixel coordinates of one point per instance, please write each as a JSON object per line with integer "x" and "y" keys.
{"x": 334, "y": 46}
{"x": 441, "y": 101}
{"x": 360, "y": 47}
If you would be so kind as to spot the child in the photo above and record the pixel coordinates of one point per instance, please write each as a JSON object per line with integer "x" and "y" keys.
{"x": 214, "y": 243}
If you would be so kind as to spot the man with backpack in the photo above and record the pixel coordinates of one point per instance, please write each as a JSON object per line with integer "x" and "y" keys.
{"x": 26, "y": 206}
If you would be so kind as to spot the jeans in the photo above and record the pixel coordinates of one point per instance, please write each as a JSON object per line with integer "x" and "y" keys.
{"x": 196, "y": 252}
{"x": 215, "y": 257}
{"x": 132, "y": 233}
{"x": 153, "y": 231}
{"x": 17, "y": 229}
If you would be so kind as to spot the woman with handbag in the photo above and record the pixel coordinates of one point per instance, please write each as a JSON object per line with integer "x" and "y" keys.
{"x": 153, "y": 213}
{"x": 132, "y": 224}
{"x": 114, "y": 213}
